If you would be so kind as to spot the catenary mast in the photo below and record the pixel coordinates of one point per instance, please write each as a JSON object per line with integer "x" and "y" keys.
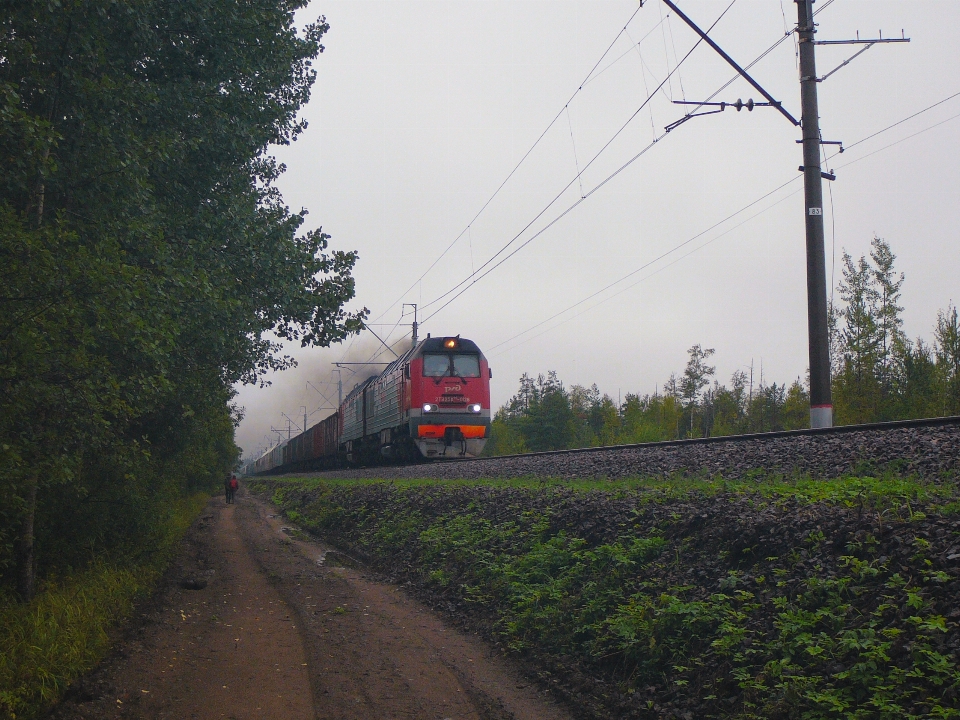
{"x": 821, "y": 402}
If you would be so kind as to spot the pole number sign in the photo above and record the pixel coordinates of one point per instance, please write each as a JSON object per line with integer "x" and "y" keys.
{"x": 816, "y": 211}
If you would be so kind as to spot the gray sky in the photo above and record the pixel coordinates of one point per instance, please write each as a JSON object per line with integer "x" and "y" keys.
{"x": 423, "y": 109}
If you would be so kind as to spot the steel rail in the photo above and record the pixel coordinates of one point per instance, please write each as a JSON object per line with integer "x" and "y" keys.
{"x": 837, "y": 430}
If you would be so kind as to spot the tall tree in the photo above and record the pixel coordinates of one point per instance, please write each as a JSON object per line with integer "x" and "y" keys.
{"x": 696, "y": 376}
{"x": 947, "y": 335}
{"x": 796, "y": 407}
{"x": 728, "y": 406}
{"x": 148, "y": 260}
{"x": 889, "y": 323}
{"x": 918, "y": 382}
{"x": 583, "y": 404}
{"x": 606, "y": 422}
{"x": 856, "y": 385}
{"x": 549, "y": 424}
{"x": 860, "y": 333}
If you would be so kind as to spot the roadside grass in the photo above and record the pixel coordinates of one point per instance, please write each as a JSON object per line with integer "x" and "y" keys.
{"x": 767, "y": 597}
{"x": 883, "y": 490}
{"x": 47, "y": 644}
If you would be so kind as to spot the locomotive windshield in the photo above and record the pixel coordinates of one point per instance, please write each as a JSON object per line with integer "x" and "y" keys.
{"x": 436, "y": 365}
{"x": 463, "y": 366}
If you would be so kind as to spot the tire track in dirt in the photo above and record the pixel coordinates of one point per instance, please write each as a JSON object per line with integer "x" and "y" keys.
{"x": 377, "y": 653}
{"x": 227, "y": 650}
{"x": 274, "y": 634}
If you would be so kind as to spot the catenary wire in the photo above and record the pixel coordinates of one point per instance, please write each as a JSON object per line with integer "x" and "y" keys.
{"x": 697, "y": 249}
{"x": 589, "y": 77}
{"x": 472, "y": 280}
{"x": 712, "y": 227}
{"x": 897, "y": 142}
{"x": 549, "y": 225}
{"x": 647, "y": 277}
{"x": 516, "y": 167}
{"x": 651, "y": 262}
{"x": 760, "y": 199}
{"x": 898, "y": 122}
{"x": 636, "y": 44}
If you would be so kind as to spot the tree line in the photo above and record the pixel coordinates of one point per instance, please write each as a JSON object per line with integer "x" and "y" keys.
{"x": 147, "y": 261}
{"x": 878, "y": 374}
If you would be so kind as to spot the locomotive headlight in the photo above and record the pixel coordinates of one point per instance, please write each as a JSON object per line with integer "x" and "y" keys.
{"x": 474, "y": 408}
{"x": 430, "y": 407}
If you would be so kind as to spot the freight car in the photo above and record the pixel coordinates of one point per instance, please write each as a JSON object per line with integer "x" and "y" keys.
{"x": 431, "y": 402}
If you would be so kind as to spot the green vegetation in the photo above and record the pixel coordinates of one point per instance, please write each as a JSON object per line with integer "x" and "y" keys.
{"x": 65, "y": 630}
{"x": 764, "y": 598}
{"x": 148, "y": 264}
{"x": 878, "y": 375}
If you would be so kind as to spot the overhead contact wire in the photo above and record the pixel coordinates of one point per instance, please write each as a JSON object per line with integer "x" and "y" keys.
{"x": 899, "y": 122}
{"x": 472, "y": 280}
{"x": 648, "y": 264}
{"x": 761, "y": 56}
{"x": 636, "y": 44}
{"x": 655, "y": 272}
{"x": 517, "y": 166}
{"x": 729, "y": 217}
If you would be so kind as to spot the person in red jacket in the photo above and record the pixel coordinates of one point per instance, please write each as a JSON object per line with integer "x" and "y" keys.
{"x": 230, "y": 486}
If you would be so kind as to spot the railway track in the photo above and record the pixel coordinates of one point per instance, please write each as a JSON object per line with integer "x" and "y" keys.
{"x": 928, "y": 447}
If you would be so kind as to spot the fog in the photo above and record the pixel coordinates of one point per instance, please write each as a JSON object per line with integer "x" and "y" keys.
{"x": 422, "y": 110}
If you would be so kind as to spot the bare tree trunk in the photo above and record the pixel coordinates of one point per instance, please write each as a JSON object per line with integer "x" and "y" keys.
{"x": 41, "y": 191}
{"x": 26, "y": 585}
{"x": 25, "y": 558}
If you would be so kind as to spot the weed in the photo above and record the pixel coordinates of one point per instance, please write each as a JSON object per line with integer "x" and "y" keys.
{"x": 615, "y": 581}
{"x": 46, "y": 644}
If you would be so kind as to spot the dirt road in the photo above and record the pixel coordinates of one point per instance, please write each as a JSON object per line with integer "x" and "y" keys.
{"x": 257, "y": 621}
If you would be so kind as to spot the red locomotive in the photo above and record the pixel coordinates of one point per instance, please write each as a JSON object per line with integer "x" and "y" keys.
{"x": 431, "y": 402}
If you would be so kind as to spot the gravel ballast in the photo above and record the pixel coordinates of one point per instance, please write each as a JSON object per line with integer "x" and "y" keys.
{"x": 931, "y": 451}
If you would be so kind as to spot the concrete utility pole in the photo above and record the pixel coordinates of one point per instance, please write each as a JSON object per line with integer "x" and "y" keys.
{"x": 821, "y": 401}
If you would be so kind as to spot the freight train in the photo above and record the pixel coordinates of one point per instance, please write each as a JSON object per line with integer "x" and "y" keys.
{"x": 432, "y": 402}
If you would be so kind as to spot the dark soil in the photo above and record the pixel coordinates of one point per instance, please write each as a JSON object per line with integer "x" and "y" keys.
{"x": 254, "y": 622}
{"x": 780, "y": 550}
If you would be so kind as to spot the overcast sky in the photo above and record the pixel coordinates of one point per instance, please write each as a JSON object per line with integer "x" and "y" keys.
{"x": 422, "y": 110}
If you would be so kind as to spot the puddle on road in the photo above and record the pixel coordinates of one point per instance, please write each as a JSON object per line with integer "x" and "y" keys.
{"x": 327, "y": 558}
{"x": 332, "y": 558}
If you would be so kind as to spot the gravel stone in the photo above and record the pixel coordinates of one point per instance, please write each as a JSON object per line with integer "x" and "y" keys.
{"x": 930, "y": 451}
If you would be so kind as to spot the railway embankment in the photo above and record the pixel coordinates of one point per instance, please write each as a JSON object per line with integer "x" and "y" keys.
{"x": 755, "y": 596}
{"x": 925, "y": 448}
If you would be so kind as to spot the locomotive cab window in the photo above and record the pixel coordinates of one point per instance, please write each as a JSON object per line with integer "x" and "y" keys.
{"x": 436, "y": 365}
{"x": 466, "y": 366}
{"x": 462, "y": 366}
